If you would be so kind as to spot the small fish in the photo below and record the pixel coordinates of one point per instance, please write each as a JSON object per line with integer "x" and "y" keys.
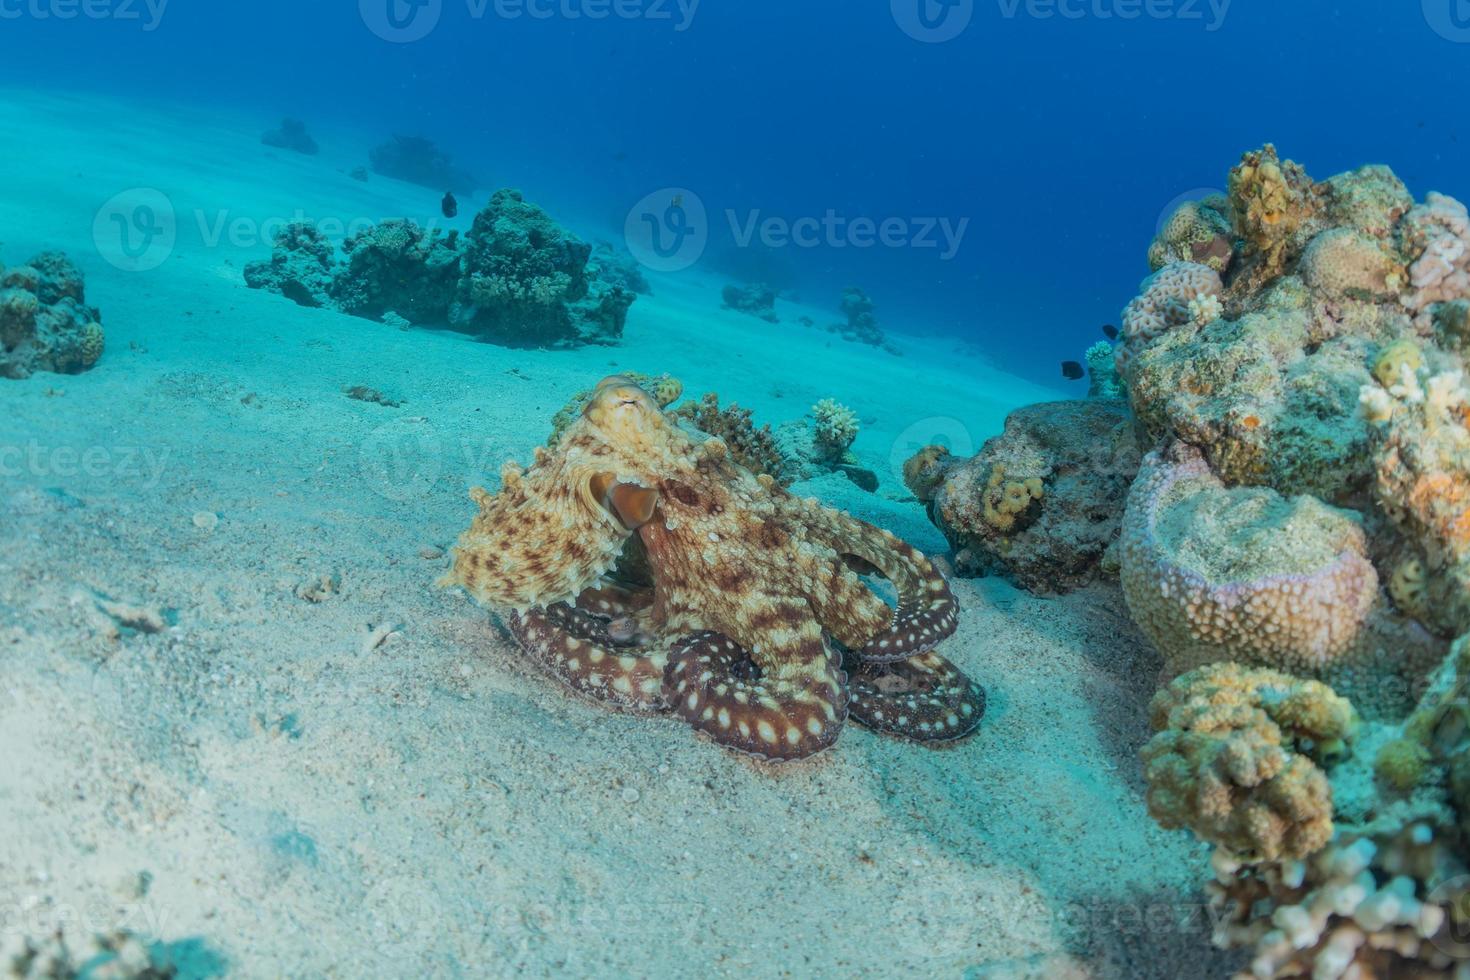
{"x": 1072, "y": 371}
{"x": 449, "y": 205}
{"x": 1110, "y": 331}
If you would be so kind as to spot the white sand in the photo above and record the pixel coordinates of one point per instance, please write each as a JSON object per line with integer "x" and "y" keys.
{"x": 255, "y": 786}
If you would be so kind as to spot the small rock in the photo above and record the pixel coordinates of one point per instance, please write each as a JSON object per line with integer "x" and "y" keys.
{"x": 430, "y": 553}
{"x": 206, "y": 520}
{"x": 630, "y": 795}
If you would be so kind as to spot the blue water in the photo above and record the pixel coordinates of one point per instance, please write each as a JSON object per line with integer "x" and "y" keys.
{"x": 1059, "y": 139}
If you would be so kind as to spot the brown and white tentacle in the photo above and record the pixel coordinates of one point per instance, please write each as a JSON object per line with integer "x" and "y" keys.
{"x": 597, "y": 649}
{"x": 783, "y": 711}
{"x": 925, "y": 698}
{"x": 927, "y": 612}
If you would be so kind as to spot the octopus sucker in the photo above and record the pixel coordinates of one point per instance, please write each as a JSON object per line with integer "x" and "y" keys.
{"x": 651, "y": 571}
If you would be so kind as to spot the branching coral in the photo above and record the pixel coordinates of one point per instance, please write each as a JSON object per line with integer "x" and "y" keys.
{"x": 1233, "y": 760}
{"x": 837, "y": 428}
{"x": 45, "y": 323}
{"x": 751, "y": 447}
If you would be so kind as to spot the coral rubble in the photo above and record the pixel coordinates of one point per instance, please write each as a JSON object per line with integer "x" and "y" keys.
{"x": 516, "y": 278}
{"x": 45, "y": 322}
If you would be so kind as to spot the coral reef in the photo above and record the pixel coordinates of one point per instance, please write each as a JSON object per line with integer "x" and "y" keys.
{"x": 291, "y": 135}
{"x": 301, "y": 268}
{"x": 397, "y": 267}
{"x": 617, "y": 267}
{"x": 517, "y": 278}
{"x": 757, "y": 300}
{"x": 750, "y": 447}
{"x": 862, "y": 325}
{"x": 1233, "y": 759}
{"x": 746, "y": 582}
{"x": 418, "y": 161}
{"x": 1042, "y": 502}
{"x": 45, "y": 322}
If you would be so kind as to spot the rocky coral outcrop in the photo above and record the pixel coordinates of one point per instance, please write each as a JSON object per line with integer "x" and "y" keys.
{"x": 291, "y": 135}
{"x": 756, "y": 299}
{"x": 517, "y": 278}
{"x": 1198, "y": 232}
{"x": 1042, "y": 502}
{"x": 45, "y": 322}
{"x": 418, "y": 161}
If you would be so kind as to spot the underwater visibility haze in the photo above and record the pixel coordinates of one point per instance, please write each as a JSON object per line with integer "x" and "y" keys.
{"x": 650, "y": 487}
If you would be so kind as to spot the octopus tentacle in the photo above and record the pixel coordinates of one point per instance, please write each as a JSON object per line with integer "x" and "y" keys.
{"x": 925, "y": 698}
{"x": 576, "y": 647}
{"x": 927, "y": 612}
{"x": 714, "y": 684}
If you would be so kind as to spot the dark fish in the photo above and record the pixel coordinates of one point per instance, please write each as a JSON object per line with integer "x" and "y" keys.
{"x": 449, "y": 205}
{"x": 1110, "y": 331}
{"x": 1072, "y": 371}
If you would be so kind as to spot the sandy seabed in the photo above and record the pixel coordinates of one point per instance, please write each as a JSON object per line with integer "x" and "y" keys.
{"x": 237, "y": 715}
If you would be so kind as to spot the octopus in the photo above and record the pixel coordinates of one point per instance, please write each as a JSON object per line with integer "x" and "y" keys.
{"x": 647, "y": 570}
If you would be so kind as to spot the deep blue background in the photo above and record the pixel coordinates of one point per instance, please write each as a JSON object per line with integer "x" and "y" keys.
{"x": 1061, "y": 140}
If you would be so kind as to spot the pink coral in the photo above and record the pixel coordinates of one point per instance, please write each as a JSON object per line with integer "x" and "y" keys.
{"x": 1214, "y": 574}
{"x": 1438, "y": 233}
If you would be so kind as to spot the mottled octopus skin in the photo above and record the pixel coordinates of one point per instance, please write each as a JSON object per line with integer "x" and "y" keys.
{"x": 755, "y": 598}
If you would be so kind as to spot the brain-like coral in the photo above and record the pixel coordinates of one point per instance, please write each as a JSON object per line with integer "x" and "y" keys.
{"x": 45, "y": 322}
{"x": 1213, "y": 573}
{"x": 1164, "y": 301}
{"x": 1232, "y": 759}
{"x": 1197, "y": 232}
{"x": 1042, "y": 501}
